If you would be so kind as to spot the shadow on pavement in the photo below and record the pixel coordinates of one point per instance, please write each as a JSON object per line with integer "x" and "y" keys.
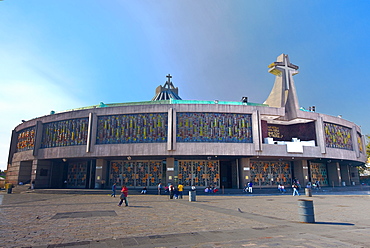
{"x": 334, "y": 223}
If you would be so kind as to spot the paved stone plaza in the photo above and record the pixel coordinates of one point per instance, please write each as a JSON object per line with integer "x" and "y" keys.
{"x": 95, "y": 220}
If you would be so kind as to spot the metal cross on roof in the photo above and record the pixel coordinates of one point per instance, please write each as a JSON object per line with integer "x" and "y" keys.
{"x": 168, "y": 82}
{"x": 169, "y": 77}
{"x": 286, "y": 68}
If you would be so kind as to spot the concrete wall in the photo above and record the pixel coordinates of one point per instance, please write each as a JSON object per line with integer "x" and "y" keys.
{"x": 173, "y": 149}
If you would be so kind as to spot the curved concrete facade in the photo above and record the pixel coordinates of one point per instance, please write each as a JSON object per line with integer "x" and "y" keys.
{"x": 221, "y": 144}
{"x": 234, "y": 157}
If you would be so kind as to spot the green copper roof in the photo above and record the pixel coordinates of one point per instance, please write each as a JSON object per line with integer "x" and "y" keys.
{"x": 171, "y": 101}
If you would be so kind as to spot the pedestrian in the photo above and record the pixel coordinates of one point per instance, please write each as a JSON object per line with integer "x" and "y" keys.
{"x": 180, "y": 187}
{"x": 144, "y": 190}
{"x": 250, "y": 187}
{"x": 123, "y": 197}
{"x": 159, "y": 188}
{"x": 318, "y": 184}
{"x": 176, "y": 193}
{"x": 281, "y": 188}
{"x": 171, "y": 189}
{"x": 295, "y": 189}
{"x": 245, "y": 189}
{"x": 114, "y": 187}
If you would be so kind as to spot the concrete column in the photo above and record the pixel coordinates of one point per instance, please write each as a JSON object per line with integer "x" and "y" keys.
{"x": 170, "y": 163}
{"x": 320, "y": 138}
{"x": 256, "y": 130}
{"x": 344, "y": 173}
{"x": 245, "y": 172}
{"x": 174, "y": 129}
{"x": 334, "y": 178}
{"x": 38, "y": 137}
{"x": 99, "y": 175}
{"x": 91, "y": 132}
{"x": 306, "y": 176}
{"x": 171, "y": 131}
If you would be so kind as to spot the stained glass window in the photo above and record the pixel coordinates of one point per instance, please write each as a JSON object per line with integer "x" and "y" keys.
{"x": 319, "y": 173}
{"x": 65, "y": 133}
{"x": 214, "y": 127}
{"x": 270, "y": 173}
{"x": 199, "y": 173}
{"x": 337, "y": 136}
{"x": 135, "y": 173}
{"x": 132, "y": 128}
{"x": 26, "y": 139}
{"x": 77, "y": 173}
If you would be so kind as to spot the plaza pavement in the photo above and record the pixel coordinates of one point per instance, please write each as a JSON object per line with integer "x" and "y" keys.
{"x": 58, "y": 219}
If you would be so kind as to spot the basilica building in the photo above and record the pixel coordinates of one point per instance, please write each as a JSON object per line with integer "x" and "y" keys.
{"x": 201, "y": 143}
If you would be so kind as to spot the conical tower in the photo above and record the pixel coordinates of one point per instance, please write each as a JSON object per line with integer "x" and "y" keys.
{"x": 167, "y": 91}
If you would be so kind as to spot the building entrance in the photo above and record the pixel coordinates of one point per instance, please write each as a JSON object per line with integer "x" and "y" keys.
{"x": 226, "y": 174}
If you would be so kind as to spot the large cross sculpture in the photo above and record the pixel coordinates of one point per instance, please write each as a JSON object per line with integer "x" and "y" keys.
{"x": 285, "y": 67}
{"x": 168, "y": 83}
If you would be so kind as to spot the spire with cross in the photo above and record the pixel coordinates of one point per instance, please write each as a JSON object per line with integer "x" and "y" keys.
{"x": 283, "y": 93}
{"x": 168, "y": 83}
{"x": 286, "y": 69}
{"x": 167, "y": 91}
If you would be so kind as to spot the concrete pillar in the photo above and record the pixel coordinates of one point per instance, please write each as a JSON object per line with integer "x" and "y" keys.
{"x": 320, "y": 138}
{"x": 91, "y": 132}
{"x": 38, "y": 137}
{"x": 306, "y": 176}
{"x": 170, "y": 163}
{"x": 344, "y": 173}
{"x": 256, "y": 130}
{"x": 334, "y": 178}
{"x": 245, "y": 171}
{"x": 99, "y": 175}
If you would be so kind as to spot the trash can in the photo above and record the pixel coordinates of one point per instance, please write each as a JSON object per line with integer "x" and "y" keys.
{"x": 306, "y": 211}
{"x": 308, "y": 192}
{"x": 192, "y": 195}
{"x": 344, "y": 184}
{"x": 9, "y": 187}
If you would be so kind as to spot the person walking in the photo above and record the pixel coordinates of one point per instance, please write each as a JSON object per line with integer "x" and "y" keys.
{"x": 295, "y": 189}
{"x": 180, "y": 188}
{"x": 114, "y": 187}
{"x": 250, "y": 187}
{"x": 171, "y": 189}
{"x": 123, "y": 197}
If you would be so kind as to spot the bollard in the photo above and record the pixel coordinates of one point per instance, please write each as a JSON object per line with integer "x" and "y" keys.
{"x": 308, "y": 192}
{"x": 192, "y": 195}
{"x": 305, "y": 211}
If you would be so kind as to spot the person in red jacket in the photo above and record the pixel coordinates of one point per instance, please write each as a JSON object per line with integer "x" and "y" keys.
{"x": 123, "y": 197}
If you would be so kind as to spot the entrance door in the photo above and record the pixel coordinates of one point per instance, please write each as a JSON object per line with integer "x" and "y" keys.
{"x": 226, "y": 174}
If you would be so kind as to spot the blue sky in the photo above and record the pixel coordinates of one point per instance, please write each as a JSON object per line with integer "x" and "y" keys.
{"x": 59, "y": 55}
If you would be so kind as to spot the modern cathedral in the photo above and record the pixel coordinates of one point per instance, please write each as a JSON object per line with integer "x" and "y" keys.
{"x": 195, "y": 143}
